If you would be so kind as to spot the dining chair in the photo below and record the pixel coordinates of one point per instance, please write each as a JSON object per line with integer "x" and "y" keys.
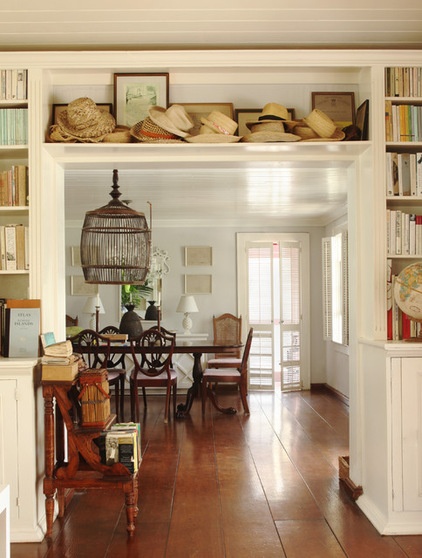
{"x": 239, "y": 376}
{"x": 95, "y": 350}
{"x": 227, "y": 329}
{"x": 152, "y": 354}
{"x": 117, "y": 362}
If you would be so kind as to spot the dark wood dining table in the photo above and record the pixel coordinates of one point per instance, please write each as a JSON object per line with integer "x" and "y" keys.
{"x": 197, "y": 349}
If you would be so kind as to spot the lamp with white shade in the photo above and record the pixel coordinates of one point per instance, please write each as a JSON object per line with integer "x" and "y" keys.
{"x": 94, "y": 306}
{"x": 187, "y": 305}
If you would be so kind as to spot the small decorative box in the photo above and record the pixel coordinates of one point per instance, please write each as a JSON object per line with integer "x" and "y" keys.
{"x": 95, "y": 397}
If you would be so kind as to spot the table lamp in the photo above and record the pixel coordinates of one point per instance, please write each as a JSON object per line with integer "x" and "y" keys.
{"x": 187, "y": 305}
{"x": 94, "y": 306}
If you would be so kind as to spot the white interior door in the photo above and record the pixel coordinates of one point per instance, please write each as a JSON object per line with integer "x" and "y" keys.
{"x": 273, "y": 287}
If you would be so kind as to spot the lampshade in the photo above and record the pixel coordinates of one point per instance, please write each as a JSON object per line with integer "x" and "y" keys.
{"x": 115, "y": 243}
{"x": 187, "y": 304}
{"x": 91, "y": 304}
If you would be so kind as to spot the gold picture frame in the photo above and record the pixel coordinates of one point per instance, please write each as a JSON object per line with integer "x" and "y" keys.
{"x": 198, "y": 110}
{"x": 198, "y": 284}
{"x": 339, "y": 106}
{"x": 135, "y": 94}
{"x": 198, "y": 255}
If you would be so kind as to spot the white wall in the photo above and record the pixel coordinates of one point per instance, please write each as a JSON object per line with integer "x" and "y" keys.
{"x": 224, "y": 280}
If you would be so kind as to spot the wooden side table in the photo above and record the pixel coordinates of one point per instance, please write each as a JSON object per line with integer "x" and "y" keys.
{"x": 80, "y": 466}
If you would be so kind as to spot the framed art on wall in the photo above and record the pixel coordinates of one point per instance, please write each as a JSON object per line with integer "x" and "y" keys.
{"x": 362, "y": 116}
{"x": 78, "y": 287}
{"x": 198, "y": 255}
{"x": 198, "y": 284}
{"x": 134, "y": 94}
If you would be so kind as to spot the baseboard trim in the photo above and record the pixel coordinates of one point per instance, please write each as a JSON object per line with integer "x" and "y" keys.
{"x": 325, "y": 387}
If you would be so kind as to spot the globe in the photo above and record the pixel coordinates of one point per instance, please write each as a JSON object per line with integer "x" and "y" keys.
{"x": 408, "y": 290}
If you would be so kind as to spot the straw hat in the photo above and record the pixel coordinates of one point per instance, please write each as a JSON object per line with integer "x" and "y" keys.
{"x": 175, "y": 119}
{"x": 323, "y": 126}
{"x": 269, "y": 136}
{"x": 121, "y": 134}
{"x": 148, "y": 131}
{"x": 83, "y": 121}
{"x": 271, "y": 111}
{"x": 216, "y": 128}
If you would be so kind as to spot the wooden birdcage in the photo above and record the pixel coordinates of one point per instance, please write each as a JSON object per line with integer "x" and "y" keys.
{"x": 115, "y": 243}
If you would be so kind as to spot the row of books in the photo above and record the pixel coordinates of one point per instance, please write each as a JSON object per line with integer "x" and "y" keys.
{"x": 13, "y": 126}
{"x": 13, "y": 85}
{"x": 14, "y": 186}
{"x": 403, "y": 174}
{"x": 14, "y": 242}
{"x": 403, "y": 122}
{"x": 404, "y": 233}
{"x": 121, "y": 444}
{"x": 403, "y": 82}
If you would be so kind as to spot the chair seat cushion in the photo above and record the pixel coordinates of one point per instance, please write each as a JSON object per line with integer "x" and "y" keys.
{"x": 221, "y": 373}
{"x": 235, "y": 362}
{"x": 161, "y": 377}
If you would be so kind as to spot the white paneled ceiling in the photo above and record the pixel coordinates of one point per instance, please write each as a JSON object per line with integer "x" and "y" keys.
{"x": 127, "y": 24}
{"x": 254, "y": 195}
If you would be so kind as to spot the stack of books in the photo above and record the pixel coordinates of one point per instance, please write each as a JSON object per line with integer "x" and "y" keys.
{"x": 59, "y": 363}
{"x": 121, "y": 444}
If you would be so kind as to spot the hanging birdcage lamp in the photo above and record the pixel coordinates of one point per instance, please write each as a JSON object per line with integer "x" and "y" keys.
{"x": 115, "y": 243}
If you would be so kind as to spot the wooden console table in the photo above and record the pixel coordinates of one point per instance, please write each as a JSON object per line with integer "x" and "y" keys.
{"x": 82, "y": 468}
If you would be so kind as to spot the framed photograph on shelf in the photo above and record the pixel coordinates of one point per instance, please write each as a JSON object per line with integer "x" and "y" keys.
{"x": 250, "y": 115}
{"x": 339, "y": 106}
{"x": 60, "y": 107}
{"x": 134, "y": 94}
{"x": 198, "y": 110}
{"x": 78, "y": 287}
{"x": 198, "y": 255}
{"x": 362, "y": 118}
{"x": 198, "y": 284}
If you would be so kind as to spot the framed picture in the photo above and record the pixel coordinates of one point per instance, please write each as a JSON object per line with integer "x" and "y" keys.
{"x": 134, "y": 94}
{"x": 78, "y": 287}
{"x": 250, "y": 115}
{"x": 59, "y": 107}
{"x": 198, "y": 284}
{"x": 75, "y": 252}
{"x": 198, "y": 255}
{"x": 198, "y": 110}
{"x": 362, "y": 117}
{"x": 340, "y": 106}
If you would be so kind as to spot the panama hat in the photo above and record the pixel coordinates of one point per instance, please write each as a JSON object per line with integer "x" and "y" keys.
{"x": 175, "y": 119}
{"x": 216, "y": 128}
{"x": 83, "y": 121}
{"x": 148, "y": 131}
{"x": 323, "y": 126}
{"x": 121, "y": 134}
{"x": 271, "y": 112}
{"x": 269, "y": 136}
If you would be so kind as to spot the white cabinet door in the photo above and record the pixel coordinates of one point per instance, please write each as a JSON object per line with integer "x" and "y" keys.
{"x": 411, "y": 379}
{"x": 9, "y": 468}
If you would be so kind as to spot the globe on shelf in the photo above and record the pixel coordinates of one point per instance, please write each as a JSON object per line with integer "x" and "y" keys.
{"x": 408, "y": 292}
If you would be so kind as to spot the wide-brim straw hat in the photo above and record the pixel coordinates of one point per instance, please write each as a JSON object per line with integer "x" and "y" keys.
{"x": 147, "y": 131}
{"x": 84, "y": 121}
{"x": 269, "y": 136}
{"x": 121, "y": 134}
{"x": 206, "y": 135}
{"x": 272, "y": 112}
{"x": 175, "y": 119}
{"x": 323, "y": 126}
{"x": 220, "y": 123}
{"x": 268, "y": 126}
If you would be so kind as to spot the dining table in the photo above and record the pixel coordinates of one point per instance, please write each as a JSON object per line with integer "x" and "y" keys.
{"x": 197, "y": 348}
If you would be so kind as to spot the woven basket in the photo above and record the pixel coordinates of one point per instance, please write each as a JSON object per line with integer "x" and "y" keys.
{"x": 95, "y": 397}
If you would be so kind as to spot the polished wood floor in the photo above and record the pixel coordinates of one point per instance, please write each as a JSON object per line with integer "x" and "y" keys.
{"x": 232, "y": 486}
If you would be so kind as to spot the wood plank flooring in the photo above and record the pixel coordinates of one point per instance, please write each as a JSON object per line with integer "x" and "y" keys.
{"x": 232, "y": 487}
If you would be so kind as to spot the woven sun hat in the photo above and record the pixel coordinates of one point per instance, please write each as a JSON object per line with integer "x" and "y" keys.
{"x": 271, "y": 112}
{"x": 269, "y": 136}
{"x": 207, "y": 135}
{"x": 220, "y": 123}
{"x": 304, "y": 131}
{"x": 84, "y": 121}
{"x": 147, "y": 131}
{"x": 120, "y": 134}
{"x": 268, "y": 126}
{"x": 175, "y": 119}
{"x": 323, "y": 126}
